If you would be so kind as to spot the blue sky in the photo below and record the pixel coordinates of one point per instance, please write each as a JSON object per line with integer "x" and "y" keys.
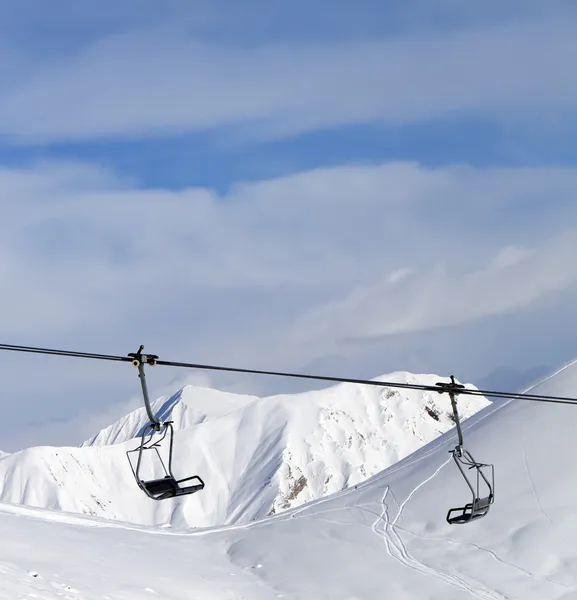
{"x": 202, "y": 159}
{"x": 350, "y": 187}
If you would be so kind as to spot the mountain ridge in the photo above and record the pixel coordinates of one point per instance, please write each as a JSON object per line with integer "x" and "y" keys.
{"x": 258, "y": 456}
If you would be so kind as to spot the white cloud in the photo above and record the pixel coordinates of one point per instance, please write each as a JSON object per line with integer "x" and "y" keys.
{"x": 158, "y": 82}
{"x": 511, "y": 256}
{"x": 513, "y": 280}
{"x": 92, "y": 263}
{"x": 73, "y": 232}
{"x": 399, "y": 275}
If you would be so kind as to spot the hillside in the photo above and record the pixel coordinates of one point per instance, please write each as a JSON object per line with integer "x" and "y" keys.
{"x": 258, "y": 456}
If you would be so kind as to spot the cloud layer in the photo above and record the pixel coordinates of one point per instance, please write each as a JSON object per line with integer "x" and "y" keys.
{"x": 514, "y": 280}
{"x": 165, "y": 81}
{"x": 75, "y": 236}
{"x": 278, "y": 273}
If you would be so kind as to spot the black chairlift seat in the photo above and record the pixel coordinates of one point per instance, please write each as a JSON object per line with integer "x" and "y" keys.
{"x": 474, "y": 510}
{"x": 169, "y": 487}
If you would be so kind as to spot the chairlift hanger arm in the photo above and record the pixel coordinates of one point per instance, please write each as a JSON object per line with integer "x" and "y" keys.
{"x": 453, "y": 389}
{"x": 139, "y": 360}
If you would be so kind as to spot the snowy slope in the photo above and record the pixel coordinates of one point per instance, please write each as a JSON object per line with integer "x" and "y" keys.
{"x": 269, "y": 455}
{"x": 386, "y": 539}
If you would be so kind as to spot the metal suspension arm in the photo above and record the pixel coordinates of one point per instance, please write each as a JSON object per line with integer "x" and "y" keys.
{"x": 142, "y": 378}
{"x": 138, "y": 361}
{"x": 456, "y": 416}
{"x": 452, "y": 388}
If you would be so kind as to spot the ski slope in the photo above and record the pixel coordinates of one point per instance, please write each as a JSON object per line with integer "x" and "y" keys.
{"x": 386, "y": 538}
{"x": 258, "y": 456}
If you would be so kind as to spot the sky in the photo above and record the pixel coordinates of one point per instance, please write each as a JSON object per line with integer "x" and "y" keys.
{"x": 347, "y": 189}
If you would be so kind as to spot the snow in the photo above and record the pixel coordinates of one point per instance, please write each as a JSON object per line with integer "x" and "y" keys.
{"x": 384, "y": 538}
{"x": 258, "y": 456}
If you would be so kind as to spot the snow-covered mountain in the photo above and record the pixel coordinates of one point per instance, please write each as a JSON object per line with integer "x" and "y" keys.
{"x": 386, "y": 538}
{"x": 258, "y": 456}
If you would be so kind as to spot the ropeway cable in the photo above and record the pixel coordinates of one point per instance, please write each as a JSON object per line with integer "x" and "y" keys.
{"x": 33, "y": 350}
{"x": 369, "y": 382}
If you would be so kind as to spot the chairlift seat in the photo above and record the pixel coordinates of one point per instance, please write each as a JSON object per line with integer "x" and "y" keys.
{"x": 159, "y": 487}
{"x": 168, "y": 487}
{"x": 471, "y": 511}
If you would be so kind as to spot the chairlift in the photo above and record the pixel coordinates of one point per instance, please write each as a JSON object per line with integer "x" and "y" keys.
{"x": 167, "y": 486}
{"x": 479, "y": 506}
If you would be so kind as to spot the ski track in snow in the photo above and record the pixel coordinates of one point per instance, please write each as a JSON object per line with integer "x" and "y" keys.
{"x": 396, "y": 548}
{"x": 424, "y": 482}
{"x": 491, "y": 553}
{"x": 533, "y": 490}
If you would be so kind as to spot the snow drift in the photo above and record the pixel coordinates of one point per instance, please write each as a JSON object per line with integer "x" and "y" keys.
{"x": 258, "y": 456}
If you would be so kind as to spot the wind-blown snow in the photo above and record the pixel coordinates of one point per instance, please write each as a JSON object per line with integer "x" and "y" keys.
{"x": 385, "y": 539}
{"x": 258, "y": 456}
